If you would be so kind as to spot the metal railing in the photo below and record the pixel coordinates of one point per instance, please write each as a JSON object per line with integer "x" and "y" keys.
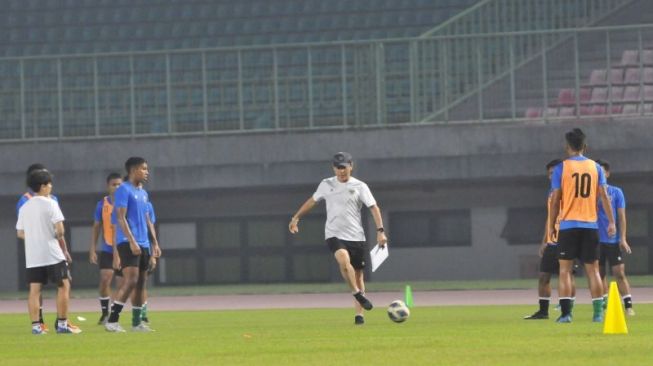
{"x": 502, "y": 16}
{"x": 309, "y": 86}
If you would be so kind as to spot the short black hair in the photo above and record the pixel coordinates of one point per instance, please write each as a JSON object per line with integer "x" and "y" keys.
{"x": 113, "y": 176}
{"x": 553, "y": 163}
{"x": 38, "y": 178}
{"x": 576, "y": 139}
{"x": 604, "y": 164}
{"x": 34, "y": 167}
{"x": 132, "y": 162}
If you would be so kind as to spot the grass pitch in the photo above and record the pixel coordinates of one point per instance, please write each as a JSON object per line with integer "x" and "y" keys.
{"x": 466, "y": 335}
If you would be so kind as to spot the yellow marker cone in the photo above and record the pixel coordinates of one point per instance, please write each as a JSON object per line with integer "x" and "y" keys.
{"x": 615, "y": 321}
{"x": 408, "y": 296}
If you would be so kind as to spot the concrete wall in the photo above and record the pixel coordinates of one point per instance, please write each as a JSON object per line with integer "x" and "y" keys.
{"x": 484, "y": 168}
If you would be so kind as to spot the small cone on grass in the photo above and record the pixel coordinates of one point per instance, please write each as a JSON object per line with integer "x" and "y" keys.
{"x": 615, "y": 320}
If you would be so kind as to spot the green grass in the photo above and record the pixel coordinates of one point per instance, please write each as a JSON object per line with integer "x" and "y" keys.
{"x": 635, "y": 281}
{"x": 470, "y": 335}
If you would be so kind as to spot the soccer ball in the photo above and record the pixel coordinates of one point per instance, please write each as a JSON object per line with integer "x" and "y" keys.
{"x": 398, "y": 311}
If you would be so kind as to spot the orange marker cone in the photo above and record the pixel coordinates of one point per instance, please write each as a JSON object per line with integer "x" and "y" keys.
{"x": 615, "y": 320}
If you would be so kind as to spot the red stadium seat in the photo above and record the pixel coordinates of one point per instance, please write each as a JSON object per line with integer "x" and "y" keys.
{"x": 617, "y": 76}
{"x": 629, "y": 58}
{"x": 630, "y": 108}
{"x": 566, "y": 97}
{"x": 632, "y": 76}
{"x": 631, "y": 94}
{"x": 617, "y": 93}
{"x": 533, "y": 112}
{"x": 599, "y": 95}
{"x": 566, "y": 112}
{"x": 598, "y": 77}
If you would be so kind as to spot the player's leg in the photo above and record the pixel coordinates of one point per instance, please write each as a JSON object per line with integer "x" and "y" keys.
{"x": 33, "y": 306}
{"x": 568, "y": 248}
{"x": 619, "y": 273}
{"x": 104, "y": 289}
{"x": 360, "y": 282}
{"x": 130, "y": 271}
{"x": 60, "y": 275}
{"x": 346, "y": 269}
{"x": 548, "y": 266}
{"x": 138, "y": 297}
{"x": 603, "y": 272}
{"x": 589, "y": 255}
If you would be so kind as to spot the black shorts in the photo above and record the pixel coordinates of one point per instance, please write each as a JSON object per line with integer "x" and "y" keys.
{"x": 55, "y": 273}
{"x": 610, "y": 253}
{"x": 356, "y": 250}
{"x": 106, "y": 260}
{"x": 549, "y": 262}
{"x": 128, "y": 259}
{"x": 581, "y": 244}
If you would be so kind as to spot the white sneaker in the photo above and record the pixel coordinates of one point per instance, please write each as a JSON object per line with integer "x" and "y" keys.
{"x": 113, "y": 327}
{"x": 630, "y": 312}
{"x": 142, "y": 328}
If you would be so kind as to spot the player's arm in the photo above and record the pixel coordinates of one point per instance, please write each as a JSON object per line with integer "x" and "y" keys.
{"x": 95, "y": 234}
{"x": 121, "y": 215}
{"x": 607, "y": 208}
{"x": 60, "y": 232}
{"x": 544, "y": 237}
{"x": 623, "y": 242}
{"x": 556, "y": 195}
{"x": 116, "y": 257}
{"x": 156, "y": 249}
{"x": 306, "y": 208}
{"x": 378, "y": 220}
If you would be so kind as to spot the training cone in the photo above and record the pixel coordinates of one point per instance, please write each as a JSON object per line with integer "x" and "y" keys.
{"x": 408, "y": 297}
{"x": 615, "y": 320}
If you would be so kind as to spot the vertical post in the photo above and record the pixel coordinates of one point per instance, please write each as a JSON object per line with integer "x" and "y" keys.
{"x": 609, "y": 68}
{"x": 309, "y": 70}
{"x": 479, "y": 75}
{"x": 205, "y": 97}
{"x": 241, "y": 114}
{"x": 444, "y": 76}
{"x": 60, "y": 98}
{"x": 132, "y": 95}
{"x": 168, "y": 95}
{"x": 96, "y": 97}
{"x": 640, "y": 49}
{"x": 545, "y": 81}
{"x": 23, "y": 131}
{"x": 513, "y": 107}
{"x": 577, "y": 74}
{"x": 275, "y": 81}
{"x": 412, "y": 64}
{"x": 343, "y": 82}
{"x": 379, "y": 83}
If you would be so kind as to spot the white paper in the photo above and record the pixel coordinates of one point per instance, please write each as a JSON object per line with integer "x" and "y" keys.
{"x": 378, "y": 255}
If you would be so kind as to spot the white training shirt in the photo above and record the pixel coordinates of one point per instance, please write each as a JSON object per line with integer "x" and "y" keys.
{"x": 37, "y": 218}
{"x": 343, "y": 205}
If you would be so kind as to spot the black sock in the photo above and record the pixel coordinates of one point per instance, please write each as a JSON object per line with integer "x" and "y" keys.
{"x": 628, "y": 301}
{"x": 544, "y": 305}
{"x": 41, "y": 315}
{"x": 565, "y": 306}
{"x": 116, "y": 308}
{"x": 104, "y": 304}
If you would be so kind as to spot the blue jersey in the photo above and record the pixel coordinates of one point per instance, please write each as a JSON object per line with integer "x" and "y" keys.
{"x": 150, "y": 212}
{"x": 100, "y": 219}
{"x": 135, "y": 200}
{"x": 617, "y": 199}
{"x": 26, "y": 196}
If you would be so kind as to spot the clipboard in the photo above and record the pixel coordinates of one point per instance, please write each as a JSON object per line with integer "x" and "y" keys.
{"x": 378, "y": 255}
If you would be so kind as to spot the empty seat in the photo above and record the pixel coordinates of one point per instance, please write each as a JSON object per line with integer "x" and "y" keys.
{"x": 633, "y": 76}
{"x": 533, "y": 112}
{"x": 630, "y": 108}
{"x": 598, "y": 77}
{"x": 630, "y": 58}
{"x": 617, "y": 93}
{"x": 566, "y": 112}
{"x": 631, "y": 94}
{"x": 568, "y": 96}
{"x": 599, "y": 95}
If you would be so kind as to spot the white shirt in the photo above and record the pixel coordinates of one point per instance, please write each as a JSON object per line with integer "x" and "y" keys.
{"x": 343, "y": 205}
{"x": 37, "y": 218}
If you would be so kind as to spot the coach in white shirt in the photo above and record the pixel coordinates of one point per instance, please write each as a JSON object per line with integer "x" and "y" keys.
{"x": 344, "y": 233}
{"x": 40, "y": 224}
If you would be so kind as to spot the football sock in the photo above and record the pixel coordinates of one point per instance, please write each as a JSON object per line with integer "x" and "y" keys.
{"x": 144, "y": 311}
{"x": 104, "y": 304}
{"x": 597, "y": 306}
{"x": 116, "y": 308}
{"x": 628, "y": 301}
{"x": 136, "y": 316}
{"x": 544, "y": 305}
{"x": 565, "y": 306}
{"x": 571, "y": 304}
{"x": 41, "y": 315}
{"x": 62, "y": 323}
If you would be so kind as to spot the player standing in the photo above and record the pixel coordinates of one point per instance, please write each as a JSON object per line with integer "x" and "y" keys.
{"x": 133, "y": 245}
{"x": 345, "y": 236}
{"x": 577, "y": 182}
{"x": 549, "y": 260}
{"x": 103, "y": 224}
{"x": 40, "y": 225}
{"x": 611, "y": 246}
